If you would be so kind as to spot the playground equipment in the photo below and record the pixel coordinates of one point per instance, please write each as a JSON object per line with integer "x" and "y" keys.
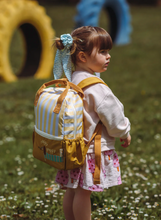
{"x": 37, "y": 33}
{"x": 118, "y": 11}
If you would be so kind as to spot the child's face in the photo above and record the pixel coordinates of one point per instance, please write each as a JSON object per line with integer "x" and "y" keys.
{"x": 98, "y": 60}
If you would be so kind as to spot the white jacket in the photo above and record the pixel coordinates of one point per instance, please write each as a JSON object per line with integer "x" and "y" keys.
{"x": 101, "y": 104}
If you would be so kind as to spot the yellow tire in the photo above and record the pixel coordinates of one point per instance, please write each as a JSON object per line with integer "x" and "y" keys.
{"x": 37, "y": 32}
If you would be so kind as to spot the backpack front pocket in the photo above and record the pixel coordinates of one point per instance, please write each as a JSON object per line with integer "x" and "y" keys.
{"x": 75, "y": 152}
{"x": 48, "y": 151}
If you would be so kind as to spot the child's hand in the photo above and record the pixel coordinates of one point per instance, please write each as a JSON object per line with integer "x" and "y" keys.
{"x": 126, "y": 141}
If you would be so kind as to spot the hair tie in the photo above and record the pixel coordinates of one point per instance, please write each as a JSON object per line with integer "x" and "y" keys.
{"x": 63, "y": 58}
{"x": 67, "y": 40}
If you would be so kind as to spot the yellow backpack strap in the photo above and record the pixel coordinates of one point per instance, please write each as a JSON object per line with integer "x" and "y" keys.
{"x": 90, "y": 81}
{"x": 97, "y": 146}
{"x": 97, "y": 133}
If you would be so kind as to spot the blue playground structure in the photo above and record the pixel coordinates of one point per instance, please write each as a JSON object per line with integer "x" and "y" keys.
{"x": 118, "y": 11}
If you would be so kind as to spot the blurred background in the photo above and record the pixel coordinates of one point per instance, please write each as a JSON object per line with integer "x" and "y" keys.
{"x": 134, "y": 75}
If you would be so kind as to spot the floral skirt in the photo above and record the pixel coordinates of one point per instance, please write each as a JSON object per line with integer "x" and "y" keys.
{"x": 109, "y": 174}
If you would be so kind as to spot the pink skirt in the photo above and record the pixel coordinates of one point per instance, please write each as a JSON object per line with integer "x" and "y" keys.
{"x": 109, "y": 174}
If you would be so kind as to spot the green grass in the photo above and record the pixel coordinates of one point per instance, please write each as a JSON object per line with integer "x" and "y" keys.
{"x": 134, "y": 76}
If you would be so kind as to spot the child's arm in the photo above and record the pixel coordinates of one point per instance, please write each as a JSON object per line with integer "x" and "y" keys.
{"x": 126, "y": 141}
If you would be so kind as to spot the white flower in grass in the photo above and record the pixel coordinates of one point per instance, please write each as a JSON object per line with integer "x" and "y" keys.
{"x": 47, "y": 194}
{"x": 136, "y": 201}
{"x": 107, "y": 209}
{"x": 55, "y": 200}
{"x": 9, "y": 139}
{"x": 157, "y": 137}
{"x": 20, "y": 173}
{"x": 126, "y": 188}
{"x": 135, "y": 214}
{"x": 37, "y": 201}
{"x": 129, "y": 213}
{"x": 45, "y": 211}
{"x": 154, "y": 186}
{"x": 155, "y": 196}
{"x": 146, "y": 215}
{"x": 113, "y": 206}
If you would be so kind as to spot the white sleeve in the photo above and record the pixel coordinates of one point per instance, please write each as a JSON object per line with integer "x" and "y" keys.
{"x": 111, "y": 113}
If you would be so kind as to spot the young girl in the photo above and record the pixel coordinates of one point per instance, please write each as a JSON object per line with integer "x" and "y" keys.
{"x": 87, "y": 49}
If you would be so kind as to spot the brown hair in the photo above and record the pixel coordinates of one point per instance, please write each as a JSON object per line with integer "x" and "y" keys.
{"x": 85, "y": 39}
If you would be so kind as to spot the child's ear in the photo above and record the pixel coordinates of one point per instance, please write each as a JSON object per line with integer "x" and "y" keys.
{"x": 82, "y": 56}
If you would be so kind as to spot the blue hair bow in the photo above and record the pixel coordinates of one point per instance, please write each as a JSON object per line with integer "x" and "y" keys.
{"x": 63, "y": 58}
